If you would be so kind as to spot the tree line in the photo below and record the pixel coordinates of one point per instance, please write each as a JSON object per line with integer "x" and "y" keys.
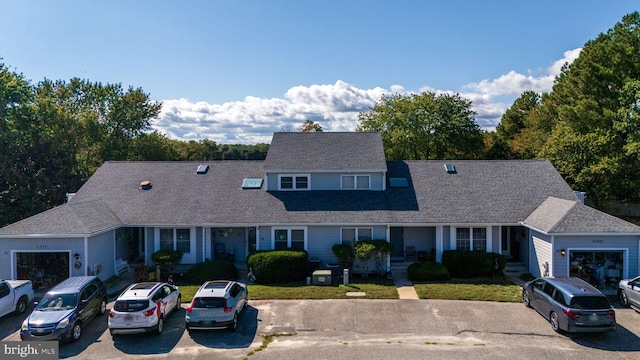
{"x": 55, "y": 134}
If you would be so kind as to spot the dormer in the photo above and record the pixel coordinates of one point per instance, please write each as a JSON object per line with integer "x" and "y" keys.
{"x": 325, "y": 161}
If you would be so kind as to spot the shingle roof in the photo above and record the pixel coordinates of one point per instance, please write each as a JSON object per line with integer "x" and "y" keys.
{"x": 330, "y": 151}
{"x": 495, "y": 192}
{"x": 558, "y": 216}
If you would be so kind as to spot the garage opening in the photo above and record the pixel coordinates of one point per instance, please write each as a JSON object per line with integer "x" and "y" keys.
{"x": 601, "y": 268}
{"x": 44, "y": 269}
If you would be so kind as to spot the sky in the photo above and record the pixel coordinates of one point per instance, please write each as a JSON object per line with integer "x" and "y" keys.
{"x": 236, "y": 71}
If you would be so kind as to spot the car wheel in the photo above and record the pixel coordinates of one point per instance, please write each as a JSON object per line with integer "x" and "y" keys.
{"x": 622, "y": 297}
{"x": 160, "y": 326}
{"x": 21, "y": 306}
{"x": 103, "y": 307}
{"x": 234, "y": 324}
{"x": 178, "y": 304}
{"x": 76, "y": 331}
{"x": 525, "y": 298}
{"x": 553, "y": 319}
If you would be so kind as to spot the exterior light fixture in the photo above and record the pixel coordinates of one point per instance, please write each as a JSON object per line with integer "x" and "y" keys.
{"x": 563, "y": 252}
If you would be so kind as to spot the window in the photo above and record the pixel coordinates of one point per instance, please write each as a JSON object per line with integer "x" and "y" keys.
{"x": 480, "y": 239}
{"x": 468, "y": 239}
{"x": 183, "y": 240}
{"x": 281, "y": 239}
{"x": 358, "y": 182}
{"x": 166, "y": 239}
{"x": 463, "y": 239}
{"x": 350, "y": 235}
{"x": 289, "y": 239}
{"x": 176, "y": 239}
{"x": 294, "y": 182}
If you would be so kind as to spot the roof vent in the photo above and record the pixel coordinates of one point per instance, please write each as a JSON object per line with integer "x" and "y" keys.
{"x": 202, "y": 169}
{"x": 145, "y": 185}
{"x": 450, "y": 168}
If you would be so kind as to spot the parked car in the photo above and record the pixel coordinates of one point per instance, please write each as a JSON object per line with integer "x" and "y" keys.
{"x": 65, "y": 309}
{"x": 629, "y": 293}
{"x": 570, "y": 304}
{"x": 216, "y": 305}
{"x": 15, "y": 296}
{"x": 143, "y": 307}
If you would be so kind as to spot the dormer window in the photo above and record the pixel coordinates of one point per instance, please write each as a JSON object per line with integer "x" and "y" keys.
{"x": 293, "y": 182}
{"x": 356, "y": 182}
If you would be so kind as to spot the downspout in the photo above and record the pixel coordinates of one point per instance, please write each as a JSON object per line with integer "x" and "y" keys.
{"x": 389, "y": 240}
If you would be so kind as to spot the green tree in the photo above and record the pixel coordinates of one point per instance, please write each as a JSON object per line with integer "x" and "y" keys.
{"x": 514, "y": 121}
{"x": 310, "y": 126}
{"x": 425, "y": 127}
{"x": 593, "y": 100}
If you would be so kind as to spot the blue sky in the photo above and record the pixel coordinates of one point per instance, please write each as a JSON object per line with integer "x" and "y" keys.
{"x": 236, "y": 71}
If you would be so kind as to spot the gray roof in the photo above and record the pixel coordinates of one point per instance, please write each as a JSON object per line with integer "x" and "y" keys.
{"x": 325, "y": 151}
{"x": 559, "y": 216}
{"x": 480, "y": 192}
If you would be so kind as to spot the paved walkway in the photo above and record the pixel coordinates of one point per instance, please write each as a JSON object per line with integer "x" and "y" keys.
{"x": 404, "y": 285}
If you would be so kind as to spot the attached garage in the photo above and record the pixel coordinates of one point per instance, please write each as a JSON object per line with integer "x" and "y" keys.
{"x": 43, "y": 268}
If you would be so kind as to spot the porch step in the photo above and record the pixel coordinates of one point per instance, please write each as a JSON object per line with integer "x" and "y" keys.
{"x": 515, "y": 268}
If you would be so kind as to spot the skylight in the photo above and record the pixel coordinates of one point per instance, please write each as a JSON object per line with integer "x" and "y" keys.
{"x": 450, "y": 168}
{"x": 202, "y": 169}
{"x": 398, "y": 182}
{"x": 252, "y": 183}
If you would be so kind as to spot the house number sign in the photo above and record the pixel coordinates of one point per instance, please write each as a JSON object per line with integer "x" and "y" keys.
{"x": 598, "y": 241}
{"x": 41, "y": 246}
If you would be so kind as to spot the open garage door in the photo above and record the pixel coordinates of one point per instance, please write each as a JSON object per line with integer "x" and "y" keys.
{"x": 44, "y": 269}
{"x": 602, "y": 268}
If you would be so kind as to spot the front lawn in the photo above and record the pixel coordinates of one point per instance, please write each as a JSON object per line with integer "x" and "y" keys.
{"x": 501, "y": 290}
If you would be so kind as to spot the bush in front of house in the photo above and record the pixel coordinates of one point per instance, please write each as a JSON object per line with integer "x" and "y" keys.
{"x": 427, "y": 271}
{"x": 465, "y": 264}
{"x": 278, "y": 266}
{"x": 211, "y": 270}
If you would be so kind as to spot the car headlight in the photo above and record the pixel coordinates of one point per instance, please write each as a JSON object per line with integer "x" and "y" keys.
{"x": 25, "y": 325}
{"x": 63, "y": 324}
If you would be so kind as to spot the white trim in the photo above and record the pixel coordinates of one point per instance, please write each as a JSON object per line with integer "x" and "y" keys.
{"x": 187, "y": 258}
{"x": 294, "y": 187}
{"x": 14, "y": 270}
{"x": 355, "y": 181}
{"x": 288, "y": 229}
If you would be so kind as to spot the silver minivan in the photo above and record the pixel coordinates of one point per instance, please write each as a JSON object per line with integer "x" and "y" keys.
{"x": 570, "y": 304}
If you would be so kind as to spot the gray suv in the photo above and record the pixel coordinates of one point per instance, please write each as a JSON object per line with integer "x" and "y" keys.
{"x": 570, "y": 304}
{"x": 65, "y": 309}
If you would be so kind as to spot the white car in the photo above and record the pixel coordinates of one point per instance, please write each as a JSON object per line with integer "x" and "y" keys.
{"x": 143, "y": 307}
{"x": 629, "y": 293}
{"x": 216, "y": 305}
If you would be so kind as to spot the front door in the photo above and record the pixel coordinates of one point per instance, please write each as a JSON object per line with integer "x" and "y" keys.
{"x": 397, "y": 240}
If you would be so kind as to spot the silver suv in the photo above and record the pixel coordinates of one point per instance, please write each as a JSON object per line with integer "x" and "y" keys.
{"x": 629, "y": 293}
{"x": 570, "y": 304}
{"x": 143, "y": 307}
{"x": 65, "y": 309}
{"x": 216, "y": 305}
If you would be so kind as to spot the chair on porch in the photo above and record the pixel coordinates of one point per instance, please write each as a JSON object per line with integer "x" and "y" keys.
{"x": 410, "y": 253}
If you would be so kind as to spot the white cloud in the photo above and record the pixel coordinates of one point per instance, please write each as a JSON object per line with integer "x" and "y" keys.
{"x": 335, "y": 107}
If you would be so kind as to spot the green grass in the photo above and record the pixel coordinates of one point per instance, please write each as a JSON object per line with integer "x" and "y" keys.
{"x": 483, "y": 289}
{"x": 501, "y": 290}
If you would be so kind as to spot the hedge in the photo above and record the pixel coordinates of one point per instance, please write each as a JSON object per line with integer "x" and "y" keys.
{"x": 427, "y": 271}
{"x": 465, "y": 264}
{"x": 278, "y": 266}
{"x": 211, "y": 270}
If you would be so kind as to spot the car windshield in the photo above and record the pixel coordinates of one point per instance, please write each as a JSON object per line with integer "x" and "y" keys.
{"x": 130, "y": 305}
{"x": 53, "y": 302}
{"x": 208, "y": 302}
{"x": 590, "y": 302}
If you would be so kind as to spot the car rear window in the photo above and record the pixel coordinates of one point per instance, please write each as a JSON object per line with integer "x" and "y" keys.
{"x": 590, "y": 302}
{"x": 131, "y": 305}
{"x": 208, "y": 302}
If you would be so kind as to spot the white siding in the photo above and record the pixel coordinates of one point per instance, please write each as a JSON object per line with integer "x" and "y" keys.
{"x": 540, "y": 259}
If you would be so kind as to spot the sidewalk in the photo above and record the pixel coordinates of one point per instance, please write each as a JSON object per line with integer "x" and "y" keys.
{"x": 404, "y": 285}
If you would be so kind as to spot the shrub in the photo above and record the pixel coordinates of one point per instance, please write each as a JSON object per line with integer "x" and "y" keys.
{"x": 278, "y": 266}
{"x": 427, "y": 271}
{"x": 211, "y": 270}
{"x": 167, "y": 259}
{"x": 465, "y": 264}
{"x": 344, "y": 254}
